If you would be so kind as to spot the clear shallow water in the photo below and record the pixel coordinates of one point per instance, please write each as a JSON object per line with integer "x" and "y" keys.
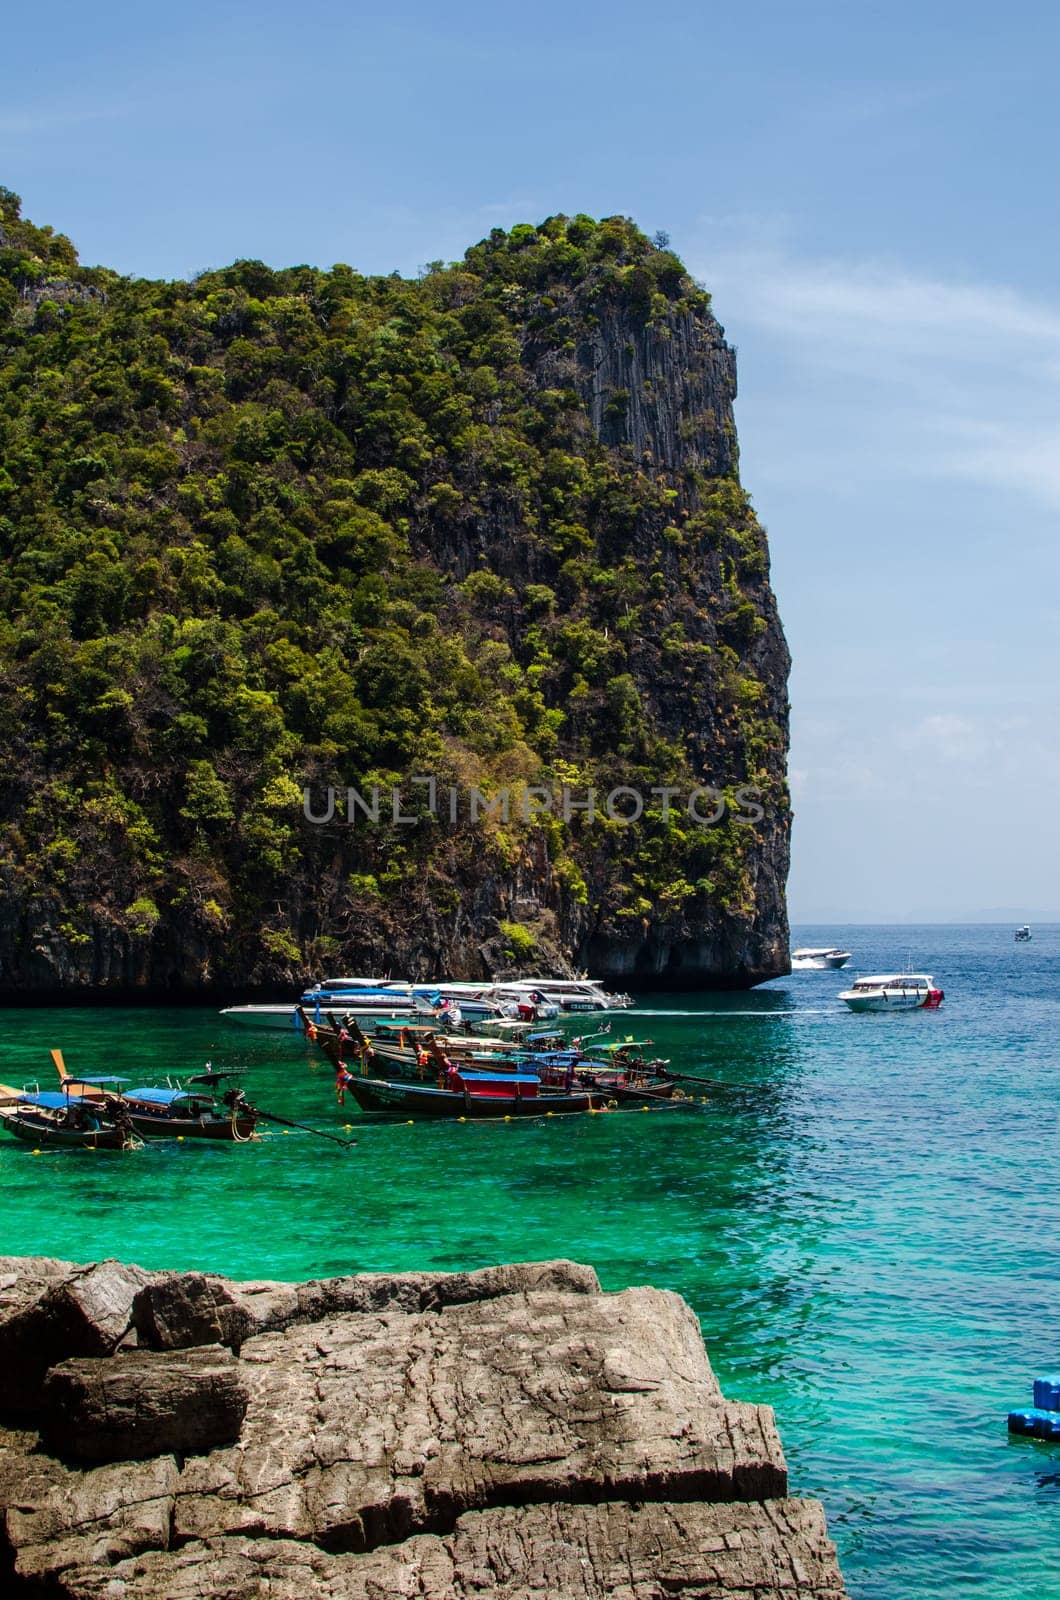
{"x": 865, "y": 1219}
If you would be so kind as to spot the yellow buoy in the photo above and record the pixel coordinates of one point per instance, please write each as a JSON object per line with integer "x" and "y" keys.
{"x": 507, "y": 1119}
{"x": 461, "y": 1119}
{"x": 36, "y": 1152}
{"x": 180, "y": 1138}
{"x": 409, "y": 1123}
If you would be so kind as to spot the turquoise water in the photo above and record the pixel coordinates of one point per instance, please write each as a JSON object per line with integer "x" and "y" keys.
{"x": 864, "y": 1217}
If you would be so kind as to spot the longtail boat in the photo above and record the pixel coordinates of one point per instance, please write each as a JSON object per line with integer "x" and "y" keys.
{"x": 624, "y": 1077}
{"x": 169, "y": 1111}
{"x": 489, "y": 1095}
{"x": 188, "y": 1113}
{"x": 640, "y": 1088}
{"x": 54, "y": 1117}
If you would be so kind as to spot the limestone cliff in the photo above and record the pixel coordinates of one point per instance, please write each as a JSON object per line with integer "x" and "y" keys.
{"x": 271, "y": 533}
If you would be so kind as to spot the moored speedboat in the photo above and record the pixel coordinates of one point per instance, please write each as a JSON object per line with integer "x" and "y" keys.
{"x": 566, "y": 994}
{"x": 819, "y": 960}
{"x": 894, "y": 991}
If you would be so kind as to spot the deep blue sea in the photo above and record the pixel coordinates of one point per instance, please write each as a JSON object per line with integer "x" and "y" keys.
{"x": 864, "y": 1215}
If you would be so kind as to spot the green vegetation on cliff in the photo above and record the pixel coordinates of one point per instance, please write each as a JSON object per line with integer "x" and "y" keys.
{"x": 277, "y": 528}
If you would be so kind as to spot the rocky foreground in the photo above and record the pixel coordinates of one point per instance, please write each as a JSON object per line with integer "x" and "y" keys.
{"x": 509, "y": 1434}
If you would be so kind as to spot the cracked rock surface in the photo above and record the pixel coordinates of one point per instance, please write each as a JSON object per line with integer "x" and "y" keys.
{"x": 511, "y": 1432}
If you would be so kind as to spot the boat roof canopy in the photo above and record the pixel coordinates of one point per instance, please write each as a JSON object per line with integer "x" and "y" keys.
{"x": 891, "y": 980}
{"x": 503, "y": 1077}
{"x": 98, "y": 1078}
{"x": 160, "y": 1097}
{"x": 45, "y": 1097}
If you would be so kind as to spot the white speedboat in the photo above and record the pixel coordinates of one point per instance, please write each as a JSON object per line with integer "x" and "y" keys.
{"x": 567, "y": 994}
{"x": 809, "y": 960}
{"x": 285, "y": 1016}
{"x": 894, "y": 991}
{"x": 272, "y": 1016}
{"x": 384, "y": 998}
{"x": 1023, "y": 934}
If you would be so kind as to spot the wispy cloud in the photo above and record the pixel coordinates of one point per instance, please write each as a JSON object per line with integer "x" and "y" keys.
{"x": 57, "y": 117}
{"x": 961, "y": 379}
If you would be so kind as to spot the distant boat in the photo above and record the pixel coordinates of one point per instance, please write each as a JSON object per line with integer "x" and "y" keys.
{"x": 894, "y": 991}
{"x": 1023, "y": 934}
{"x": 808, "y": 960}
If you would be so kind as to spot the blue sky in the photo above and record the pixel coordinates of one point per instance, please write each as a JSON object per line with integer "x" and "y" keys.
{"x": 870, "y": 192}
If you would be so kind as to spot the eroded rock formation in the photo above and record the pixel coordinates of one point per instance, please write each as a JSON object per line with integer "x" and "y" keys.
{"x": 507, "y": 1433}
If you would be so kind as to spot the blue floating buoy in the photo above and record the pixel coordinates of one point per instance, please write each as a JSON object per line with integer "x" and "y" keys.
{"x": 1047, "y": 1393}
{"x": 1035, "y": 1423}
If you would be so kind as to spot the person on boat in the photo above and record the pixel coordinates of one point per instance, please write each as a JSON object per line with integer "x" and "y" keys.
{"x": 422, "y": 1061}
{"x": 451, "y": 1078}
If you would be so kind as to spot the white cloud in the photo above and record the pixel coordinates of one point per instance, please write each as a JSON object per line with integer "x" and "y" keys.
{"x": 952, "y": 738}
{"x": 933, "y": 378}
{"x": 901, "y": 431}
{"x": 56, "y": 117}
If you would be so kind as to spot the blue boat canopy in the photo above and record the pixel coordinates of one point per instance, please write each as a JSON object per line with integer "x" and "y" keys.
{"x": 45, "y": 1097}
{"x": 107, "y": 1078}
{"x": 159, "y": 1097}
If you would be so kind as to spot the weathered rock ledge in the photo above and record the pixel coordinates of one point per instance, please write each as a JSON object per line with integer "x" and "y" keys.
{"x": 509, "y": 1434}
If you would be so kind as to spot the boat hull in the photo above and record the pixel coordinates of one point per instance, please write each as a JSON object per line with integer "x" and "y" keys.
{"x": 42, "y": 1131}
{"x": 666, "y": 1093}
{"x": 286, "y": 1019}
{"x": 152, "y": 1127}
{"x": 828, "y": 961}
{"x": 893, "y": 1002}
{"x": 424, "y": 1101}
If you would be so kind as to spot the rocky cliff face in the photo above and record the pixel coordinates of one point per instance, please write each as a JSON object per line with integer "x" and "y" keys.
{"x": 508, "y": 1434}
{"x": 301, "y": 531}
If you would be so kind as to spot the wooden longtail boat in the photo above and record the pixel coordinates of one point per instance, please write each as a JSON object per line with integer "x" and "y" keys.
{"x": 45, "y": 1118}
{"x": 170, "y": 1111}
{"x": 503, "y": 1095}
{"x": 625, "y": 1077}
{"x": 634, "y": 1087}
